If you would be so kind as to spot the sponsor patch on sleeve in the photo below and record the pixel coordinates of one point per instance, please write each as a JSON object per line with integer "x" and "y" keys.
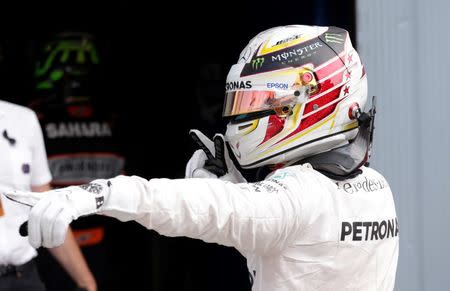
{"x": 273, "y": 184}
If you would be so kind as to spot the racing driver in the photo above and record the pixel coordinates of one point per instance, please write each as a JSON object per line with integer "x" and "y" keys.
{"x": 321, "y": 219}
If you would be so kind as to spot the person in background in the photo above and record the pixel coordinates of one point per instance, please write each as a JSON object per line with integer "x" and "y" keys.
{"x": 24, "y": 166}
{"x": 80, "y": 129}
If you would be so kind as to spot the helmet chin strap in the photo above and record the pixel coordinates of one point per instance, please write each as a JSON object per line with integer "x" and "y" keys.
{"x": 344, "y": 162}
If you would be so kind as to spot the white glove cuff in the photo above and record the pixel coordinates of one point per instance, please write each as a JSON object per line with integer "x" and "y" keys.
{"x": 90, "y": 199}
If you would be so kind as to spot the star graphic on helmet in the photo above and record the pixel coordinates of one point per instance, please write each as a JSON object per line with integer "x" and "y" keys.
{"x": 346, "y": 90}
{"x": 348, "y": 75}
{"x": 350, "y": 58}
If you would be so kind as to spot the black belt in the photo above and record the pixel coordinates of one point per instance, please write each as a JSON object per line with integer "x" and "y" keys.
{"x": 8, "y": 270}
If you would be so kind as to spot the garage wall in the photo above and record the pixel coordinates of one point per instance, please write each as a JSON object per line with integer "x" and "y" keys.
{"x": 405, "y": 46}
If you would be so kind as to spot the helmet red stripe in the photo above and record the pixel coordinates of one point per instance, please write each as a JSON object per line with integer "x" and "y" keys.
{"x": 328, "y": 84}
{"x": 319, "y": 115}
{"x": 330, "y": 68}
{"x": 274, "y": 126}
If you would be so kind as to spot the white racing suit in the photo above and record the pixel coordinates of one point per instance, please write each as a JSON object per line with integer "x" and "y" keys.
{"x": 298, "y": 229}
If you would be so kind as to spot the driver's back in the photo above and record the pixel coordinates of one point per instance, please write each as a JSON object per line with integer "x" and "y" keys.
{"x": 349, "y": 238}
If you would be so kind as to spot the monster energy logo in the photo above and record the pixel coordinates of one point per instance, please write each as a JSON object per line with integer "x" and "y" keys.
{"x": 257, "y": 63}
{"x": 334, "y": 38}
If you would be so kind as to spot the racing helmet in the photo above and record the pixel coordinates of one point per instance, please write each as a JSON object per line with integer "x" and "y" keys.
{"x": 296, "y": 91}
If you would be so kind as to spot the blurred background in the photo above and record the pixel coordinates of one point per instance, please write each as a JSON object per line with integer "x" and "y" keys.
{"x": 149, "y": 74}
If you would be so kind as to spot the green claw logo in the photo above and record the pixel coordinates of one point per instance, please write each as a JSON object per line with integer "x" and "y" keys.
{"x": 334, "y": 38}
{"x": 257, "y": 63}
{"x": 83, "y": 52}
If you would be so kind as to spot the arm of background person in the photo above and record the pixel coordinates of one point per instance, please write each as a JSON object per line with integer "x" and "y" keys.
{"x": 69, "y": 256}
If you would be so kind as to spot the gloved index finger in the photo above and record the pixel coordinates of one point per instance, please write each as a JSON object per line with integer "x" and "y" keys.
{"x": 23, "y": 197}
{"x": 203, "y": 142}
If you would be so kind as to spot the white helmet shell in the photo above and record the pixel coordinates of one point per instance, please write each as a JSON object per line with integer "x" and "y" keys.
{"x": 292, "y": 94}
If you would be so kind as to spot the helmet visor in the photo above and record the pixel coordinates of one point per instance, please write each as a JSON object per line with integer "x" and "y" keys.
{"x": 242, "y": 102}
